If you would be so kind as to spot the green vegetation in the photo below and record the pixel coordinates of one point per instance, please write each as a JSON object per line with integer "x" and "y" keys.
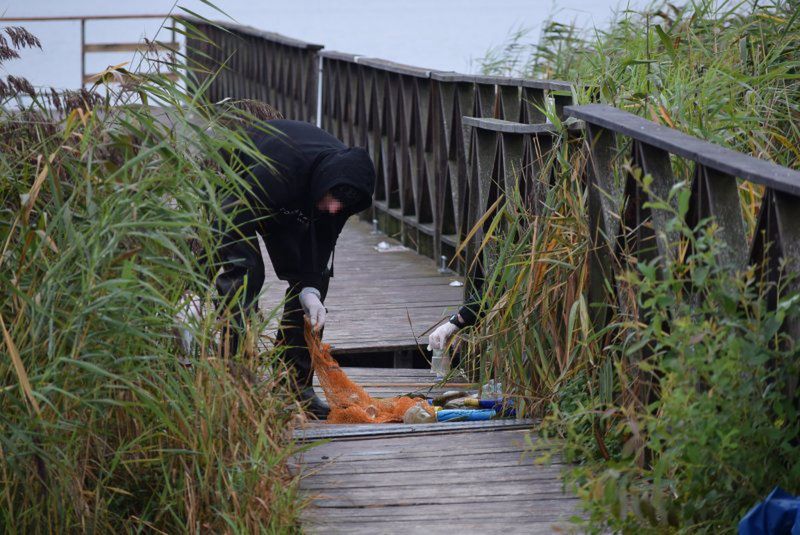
{"x": 681, "y": 413}
{"x": 104, "y": 211}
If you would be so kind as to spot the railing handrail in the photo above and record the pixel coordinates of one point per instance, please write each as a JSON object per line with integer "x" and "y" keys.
{"x": 508, "y": 127}
{"x": 94, "y": 48}
{"x": 446, "y": 76}
{"x": 709, "y": 154}
{"x": 254, "y": 32}
{"x": 86, "y": 17}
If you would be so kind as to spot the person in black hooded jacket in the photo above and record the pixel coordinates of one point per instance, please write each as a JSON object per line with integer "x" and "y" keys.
{"x": 299, "y": 204}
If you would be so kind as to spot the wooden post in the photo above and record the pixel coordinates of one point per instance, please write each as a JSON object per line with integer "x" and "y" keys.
{"x": 83, "y": 52}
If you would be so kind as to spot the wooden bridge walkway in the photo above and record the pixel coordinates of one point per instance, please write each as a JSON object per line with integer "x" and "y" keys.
{"x": 471, "y": 477}
{"x": 431, "y": 478}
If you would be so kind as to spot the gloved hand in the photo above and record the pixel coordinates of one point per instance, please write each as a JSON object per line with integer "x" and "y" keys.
{"x": 187, "y": 322}
{"x": 441, "y": 335}
{"x": 313, "y": 307}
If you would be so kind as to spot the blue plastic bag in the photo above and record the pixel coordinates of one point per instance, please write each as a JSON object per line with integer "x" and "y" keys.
{"x": 779, "y": 514}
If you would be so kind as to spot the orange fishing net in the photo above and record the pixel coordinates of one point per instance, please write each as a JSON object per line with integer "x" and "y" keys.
{"x": 350, "y": 404}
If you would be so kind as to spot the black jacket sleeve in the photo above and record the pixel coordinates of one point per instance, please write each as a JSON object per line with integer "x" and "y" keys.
{"x": 471, "y": 310}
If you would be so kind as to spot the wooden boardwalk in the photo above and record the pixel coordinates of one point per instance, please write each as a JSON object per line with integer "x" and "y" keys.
{"x": 467, "y": 477}
{"x": 378, "y": 301}
{"x": 473, "y": 477}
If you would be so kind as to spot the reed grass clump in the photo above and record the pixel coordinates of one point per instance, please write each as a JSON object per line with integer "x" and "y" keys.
{"x": 680, "y": 411}
{"x": 105, "y": 210}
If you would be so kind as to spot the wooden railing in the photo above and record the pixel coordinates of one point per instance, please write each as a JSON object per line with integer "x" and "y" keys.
{"x": 244, "y": 62}
{"x": 431, "y": 187}
{"x": 619, "y": 141}
{"x": 100, "y": 48}
{"x": 434, "y": 170}
{"x": 446, "y": 145}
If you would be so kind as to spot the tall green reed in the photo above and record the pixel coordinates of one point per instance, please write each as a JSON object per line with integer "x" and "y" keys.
{"x": 107, "y": 214}
{"x": 724, "y": 71}
{"x": 534, "y": 334}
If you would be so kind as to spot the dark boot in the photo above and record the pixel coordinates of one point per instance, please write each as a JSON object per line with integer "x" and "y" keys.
{"x": 313, "y": 404}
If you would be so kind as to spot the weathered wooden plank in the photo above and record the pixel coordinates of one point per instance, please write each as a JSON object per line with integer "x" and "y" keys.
{"x": 368, "y": 430}
{"x": 442, "y": 477}
{"x": 444, "y": 527}
{"x": 434, "y": 464}
{"x": 406, "y": 380}
{"x": 499, "y": 125}
{"x": 550, "y": 510}
{"x": 464, "y": 440}
{"x": 385, "y": 373}
{"x": 393, "y": 393}
{"x": 416, "y": 495}
{"x": 332, "y": 454}
{"x": 382, "y": 448}
{"x": 408, "y": 446}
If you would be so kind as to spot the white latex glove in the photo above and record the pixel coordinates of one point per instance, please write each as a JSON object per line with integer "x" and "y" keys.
{"x": 187, "y": 321}
{"x": 313, "y": 307}
{"x": 441, "y": 335}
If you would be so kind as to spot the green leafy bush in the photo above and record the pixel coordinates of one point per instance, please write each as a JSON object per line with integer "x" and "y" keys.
{"x": 721, "y": 428}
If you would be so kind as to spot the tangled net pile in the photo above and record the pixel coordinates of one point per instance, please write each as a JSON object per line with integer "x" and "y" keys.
{"x": 350, "y": 404}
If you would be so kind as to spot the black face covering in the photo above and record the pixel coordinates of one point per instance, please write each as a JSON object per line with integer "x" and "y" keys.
{"x": 347, "y": 195}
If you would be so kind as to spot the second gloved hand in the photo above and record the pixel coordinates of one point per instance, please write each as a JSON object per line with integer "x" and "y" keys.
{"x": 313, "y": 307}
{"x": 441, "y": 335}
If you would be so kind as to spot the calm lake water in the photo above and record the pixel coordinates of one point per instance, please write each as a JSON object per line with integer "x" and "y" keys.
{"x": 439, "y": 34}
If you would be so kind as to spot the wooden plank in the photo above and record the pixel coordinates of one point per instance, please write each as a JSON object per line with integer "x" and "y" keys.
{"x": 92, "y": 78}
{"x": 359, "y": 371}
{"x": 432, "y": 465}
{"x": 552, "y": 510}
{"x": 445, "y": 476}
{"x": 433, "y": 495}
{"x": 329, "y": 457}
{"x": 444, "y": 527}
{"x": 381, "y": 446}
{"x": 159, "y": 46}
{"x": 469, "y": 462}
{"x": 375, "y": 430}
{"x": 511, "y": 127}
{"x": 384, "y": 373}
{"x": 401, "y": 382}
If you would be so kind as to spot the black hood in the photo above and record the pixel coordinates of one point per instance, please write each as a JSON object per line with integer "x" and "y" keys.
{"x": 348, "y": 166}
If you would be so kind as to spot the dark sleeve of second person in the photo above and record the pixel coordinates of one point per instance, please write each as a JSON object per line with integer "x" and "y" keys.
{"x": 471, "y": 310}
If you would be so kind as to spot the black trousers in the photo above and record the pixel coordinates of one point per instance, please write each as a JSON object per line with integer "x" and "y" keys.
{"x": 242, "y": 275}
